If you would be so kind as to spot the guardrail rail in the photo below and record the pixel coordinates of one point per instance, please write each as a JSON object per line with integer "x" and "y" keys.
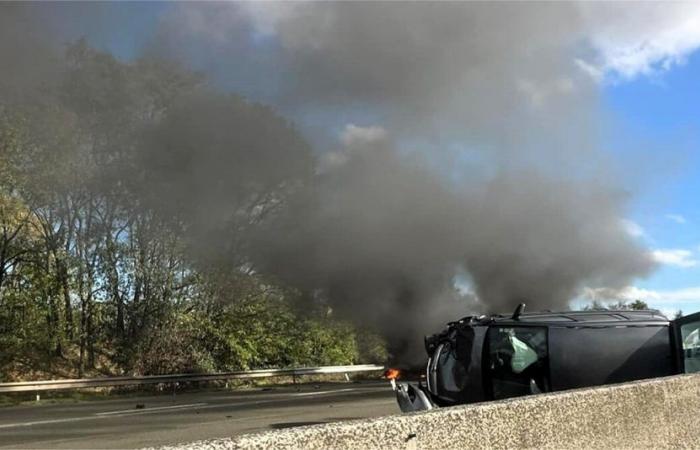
{"x": 51, "y": 385}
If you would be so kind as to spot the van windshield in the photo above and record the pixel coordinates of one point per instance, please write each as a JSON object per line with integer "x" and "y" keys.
{"x": 451, "y": 365}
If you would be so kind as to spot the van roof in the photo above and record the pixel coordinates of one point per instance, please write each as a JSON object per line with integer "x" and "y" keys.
{"x": 584, "y": 318}
{"x": 573, "y": 318}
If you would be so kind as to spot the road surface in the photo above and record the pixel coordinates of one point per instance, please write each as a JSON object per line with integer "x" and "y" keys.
{"x": 167, "y": 419}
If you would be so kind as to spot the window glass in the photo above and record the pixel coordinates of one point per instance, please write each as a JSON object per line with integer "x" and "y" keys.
{"x": 518, "y": 362}
{"x": 452, "y": 364}
{"x": 451, "y": 373}
{"x": 690, "y": 335}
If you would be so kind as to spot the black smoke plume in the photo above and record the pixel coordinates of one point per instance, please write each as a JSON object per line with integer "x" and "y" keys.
{"x": 475, "y": 181}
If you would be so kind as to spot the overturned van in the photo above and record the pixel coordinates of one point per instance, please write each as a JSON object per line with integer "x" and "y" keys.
{"x": 495, "y": 357}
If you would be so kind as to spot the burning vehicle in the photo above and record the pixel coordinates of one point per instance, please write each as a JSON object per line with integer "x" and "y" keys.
{"x": 482, "y": 358}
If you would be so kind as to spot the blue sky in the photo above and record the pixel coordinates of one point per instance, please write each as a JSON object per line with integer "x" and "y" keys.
{"x": 653, "y": 135}
{"x": 658, "y": 118}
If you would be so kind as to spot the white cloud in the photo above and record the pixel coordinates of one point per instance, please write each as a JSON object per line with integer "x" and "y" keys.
{"x": 675, "y": 257}
{"x": 631, "y": 293}
{"x": 632, "y": 228}
{"x": 595, "y": 72}
{"x": 266, "y": 16}
{"x": 669, "y": 312}
{"x": 353, "y": 134}
{"x": 352, "y": 137}
{"x": 641, "y": 39}
{"x": 677, "y": 218}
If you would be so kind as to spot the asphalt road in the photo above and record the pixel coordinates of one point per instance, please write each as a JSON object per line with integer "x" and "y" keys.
{"x": 167, "y": 419}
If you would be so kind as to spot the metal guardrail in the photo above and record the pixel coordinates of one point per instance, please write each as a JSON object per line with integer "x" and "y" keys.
{"x": 51, "y": 385}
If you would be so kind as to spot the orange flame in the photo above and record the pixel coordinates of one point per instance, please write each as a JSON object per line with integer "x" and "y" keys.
{"x": 392, "y": 374}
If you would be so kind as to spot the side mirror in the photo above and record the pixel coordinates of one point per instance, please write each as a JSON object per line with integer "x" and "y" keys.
{"x": 412, "y": 398}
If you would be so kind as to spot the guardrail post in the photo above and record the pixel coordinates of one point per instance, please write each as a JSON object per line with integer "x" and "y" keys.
{"x": 38, "y": 397}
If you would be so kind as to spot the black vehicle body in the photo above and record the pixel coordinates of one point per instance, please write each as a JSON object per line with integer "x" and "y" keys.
{"x": 494, "y": 357}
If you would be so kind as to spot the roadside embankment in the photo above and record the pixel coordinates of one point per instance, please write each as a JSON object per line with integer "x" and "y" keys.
{"x": 658, "y": 413}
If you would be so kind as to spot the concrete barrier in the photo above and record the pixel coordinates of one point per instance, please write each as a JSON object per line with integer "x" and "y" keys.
{"x": 658, "y": 413}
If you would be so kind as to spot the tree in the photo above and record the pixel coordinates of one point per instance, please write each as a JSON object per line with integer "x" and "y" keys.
{"x": 216, "y": 166}
{"x": 638, "y": 305}
{"x": 129, "y": 195}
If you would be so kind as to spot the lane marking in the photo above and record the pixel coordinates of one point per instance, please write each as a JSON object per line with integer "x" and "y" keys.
{"x": 268, "y": 401}
{"x": 43, "y": 422}
{"x": 198, "y": 406}
{"x": 156, "y": 409}
{"x": 304, "y": 394}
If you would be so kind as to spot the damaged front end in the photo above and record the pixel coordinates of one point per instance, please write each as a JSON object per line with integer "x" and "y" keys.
{"x": 453, "y": 371}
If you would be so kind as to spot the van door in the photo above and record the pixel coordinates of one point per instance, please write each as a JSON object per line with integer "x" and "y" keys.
{"x": 517, "y": 361}
{"x": 687, "y": 338}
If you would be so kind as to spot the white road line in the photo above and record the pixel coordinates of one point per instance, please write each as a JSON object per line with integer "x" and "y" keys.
{"x": 147, "y": 410}
{"x": 304, "y": 394}
{"x": 103, "y": 415}
{"x": 198, "y": 406}
{"x": 42, "y": 422}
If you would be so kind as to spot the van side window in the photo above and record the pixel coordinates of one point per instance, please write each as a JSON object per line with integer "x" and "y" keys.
{"x": 517, "y": 361}
{"x": 690, "y": 335}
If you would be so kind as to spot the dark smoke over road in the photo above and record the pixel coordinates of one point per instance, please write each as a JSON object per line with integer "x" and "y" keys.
{"x": 475, "y": 180}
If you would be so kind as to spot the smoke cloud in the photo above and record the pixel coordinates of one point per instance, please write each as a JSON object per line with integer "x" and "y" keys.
{"x": 388, "y": 239}
{"x": 28, "y": 55}
{"x": 479, "y": 160}
{"x": 457, "y": 161}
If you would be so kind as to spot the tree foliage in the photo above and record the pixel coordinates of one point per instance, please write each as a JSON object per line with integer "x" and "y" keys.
{"x": 109, "y": 263}
{"x": 636, "y": 305}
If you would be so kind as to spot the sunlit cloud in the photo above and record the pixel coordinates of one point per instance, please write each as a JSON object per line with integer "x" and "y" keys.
{"x": 677, "y": 218}
{"x": 650, "y": 296}
{"x": 675, "y": 257}
{"x": 633, "y": 228}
